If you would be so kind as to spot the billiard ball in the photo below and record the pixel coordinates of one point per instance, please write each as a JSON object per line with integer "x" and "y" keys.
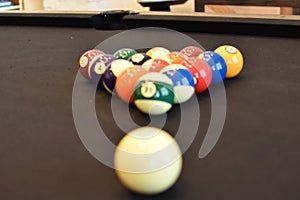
{"x": 127, "y": 81}
{"x": 124, "y": 53}
{"x": 147, "y": 65}
{"x": 157, "y": 52}
{"x": 233, "y": 58}
{"x": 84, "y": 61}
{"x": 155, "y": 65}
{"x": 154, "y": 93}
{"x": 99, "y": 65}
{"x": 183, "y": 82}
{"x": 201, "y": 72}
{"x": 148, "y": 161}
{"x": 139, "y": 58}
{"x": 192, "y": 51}
{"x": 174, "y": 58}
{"x": 217, "y": 65}
{"x": 114, "y": 70}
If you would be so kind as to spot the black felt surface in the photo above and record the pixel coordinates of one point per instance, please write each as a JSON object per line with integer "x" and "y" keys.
{"x": 42, "y": 157}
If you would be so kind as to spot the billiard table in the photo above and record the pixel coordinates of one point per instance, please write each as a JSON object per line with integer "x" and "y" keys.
{"x": 42, "y": 156}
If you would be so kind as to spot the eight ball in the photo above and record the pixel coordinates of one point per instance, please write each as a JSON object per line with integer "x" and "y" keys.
{"x": 139, "y": 58}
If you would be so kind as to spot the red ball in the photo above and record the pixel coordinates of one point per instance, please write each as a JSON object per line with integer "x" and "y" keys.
{"x": 201, "y": 72}
{"x": 127, "y": 81}
{"x": 85, "y": 62}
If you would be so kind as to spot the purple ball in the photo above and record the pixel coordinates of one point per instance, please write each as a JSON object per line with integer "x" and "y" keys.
{"x": 99, "y": 66}
{"x": 114, "y": 70}
{"x": 109, "y": 80}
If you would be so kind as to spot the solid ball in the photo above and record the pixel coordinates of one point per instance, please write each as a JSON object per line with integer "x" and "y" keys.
{"x": 217, "y": 65}
{"x": 157, "y": 52}
{"x": 174, "y": 58}
{"x": 99, "y": 65}
{"x": 155, "y": 65}
{"x": 183, "y": 82}
{"x": 148, "y": 161}
{"x": 192, "y": 51}
{"x": 114, "y": 70}
{"x": 127, "y": 81}
{"x": 154, "y": 93}
{"x": 201, "y": 72}
{"x": 139, "y": 58}
{"x": 233, "y": 58}
{"x": 85, "y": 60}
{"x": 125, "y": 53}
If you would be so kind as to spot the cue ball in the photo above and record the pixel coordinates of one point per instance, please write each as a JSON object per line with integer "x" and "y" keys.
{"x": 233, "y": 58}
{"x": 85, "y": 61}
{"x": 183, "y": 82}
{"x": 127, "y": 81}
{"x": 154, "y": 94}
{"x": 148, "y": 161}
{"x": 217, "y": 65}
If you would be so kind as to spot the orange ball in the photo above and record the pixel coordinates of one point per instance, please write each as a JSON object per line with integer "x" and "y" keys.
{"x": 127, "y": 81}
{"x": 174, "y": 58}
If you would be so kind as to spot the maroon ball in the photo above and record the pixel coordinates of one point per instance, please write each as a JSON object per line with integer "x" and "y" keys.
{"x": 85, "y": 61}
{"x": 192, "y": 51}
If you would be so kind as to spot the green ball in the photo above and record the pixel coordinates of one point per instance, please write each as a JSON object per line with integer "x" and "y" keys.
{"x": 125, "y": 53}
{"x": 154, "y": 93}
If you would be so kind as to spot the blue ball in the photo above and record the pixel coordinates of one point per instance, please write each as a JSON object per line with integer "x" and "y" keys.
{"x": 180, "y": 77}
{"x": 217, "y": 64}
{"x": 183, "y": 82}
{"x": 188, "y": 77}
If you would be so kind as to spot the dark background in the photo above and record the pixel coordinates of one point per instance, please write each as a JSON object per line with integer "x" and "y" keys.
{"x": 42, "y": 157}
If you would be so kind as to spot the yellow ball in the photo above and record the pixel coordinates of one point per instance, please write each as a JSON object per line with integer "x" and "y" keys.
{"x": 148, "y": 161}
{"x": 157, "y": 52}
{"x": 233, "y": 58}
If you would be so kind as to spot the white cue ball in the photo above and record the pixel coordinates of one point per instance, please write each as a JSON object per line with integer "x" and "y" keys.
{"x": 148, "y": 161}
